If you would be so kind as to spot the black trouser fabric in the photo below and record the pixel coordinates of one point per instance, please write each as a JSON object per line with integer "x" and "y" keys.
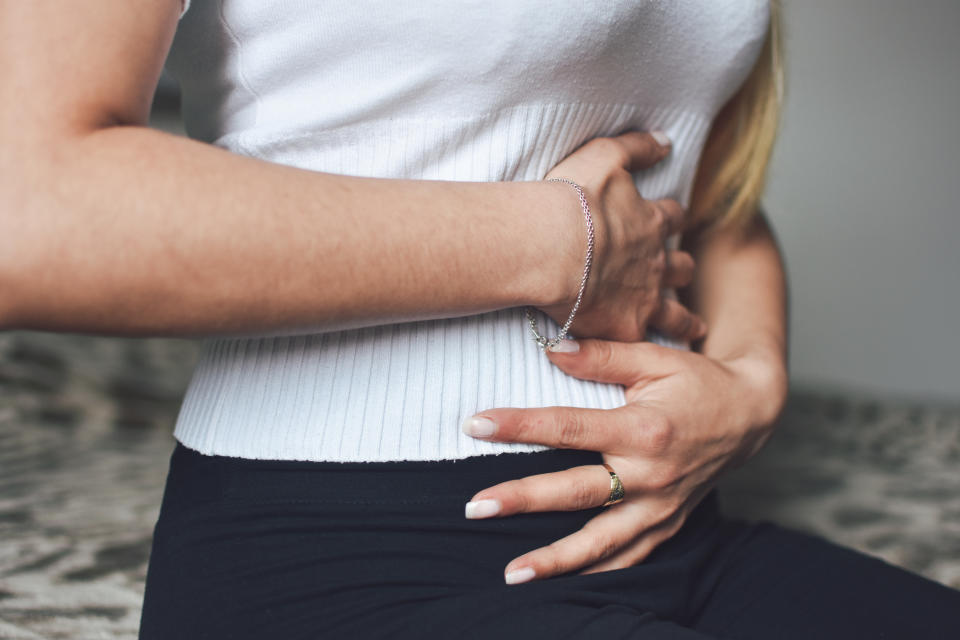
{"x": 284, "y": 549}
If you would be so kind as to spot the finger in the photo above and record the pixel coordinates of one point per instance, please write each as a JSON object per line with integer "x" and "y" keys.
{"x": 574, "y": 489}
{"x": 602, "y": 537}
{"x": 607, "y": 430}
{"x": 643, "y": 148}
{"x": 639, "y": 549}
{"x": 676, "y": 320}
{"x": 673, "y": 215}
{"x": 616, "y": 362}
{"x": 679, "y": 269}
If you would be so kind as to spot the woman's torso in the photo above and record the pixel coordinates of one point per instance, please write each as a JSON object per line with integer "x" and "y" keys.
{"x": 430, "y": 89}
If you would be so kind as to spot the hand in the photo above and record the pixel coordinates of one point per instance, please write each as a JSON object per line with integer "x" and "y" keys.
{"x": 631, "y": 264}
{"x": 688, "y": 418}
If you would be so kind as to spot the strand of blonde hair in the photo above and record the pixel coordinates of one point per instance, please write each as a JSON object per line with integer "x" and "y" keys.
{"x": 732, "y": 173}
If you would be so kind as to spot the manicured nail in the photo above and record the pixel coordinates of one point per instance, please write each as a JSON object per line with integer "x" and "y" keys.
{"x": 662, "y": 138}
{"x": 566, "y": 346}
{"x": 482, "y": 508}
{"x": 519, "y": 575}
{"x": 479, "y": 427}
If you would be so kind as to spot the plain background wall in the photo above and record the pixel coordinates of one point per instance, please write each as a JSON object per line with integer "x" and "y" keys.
{"x": 865, "y": 193}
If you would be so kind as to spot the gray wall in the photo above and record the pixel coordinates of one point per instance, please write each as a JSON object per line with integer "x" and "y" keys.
{"x": 865, "y": 193}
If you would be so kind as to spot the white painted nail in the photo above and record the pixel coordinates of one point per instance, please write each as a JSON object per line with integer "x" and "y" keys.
{"x": 479, "y": 427}
{"x": 482, "y": 508}
{"x": 567, "y": 346}
{"x": 520, "y": 575}
{"x": 662, "y": 138}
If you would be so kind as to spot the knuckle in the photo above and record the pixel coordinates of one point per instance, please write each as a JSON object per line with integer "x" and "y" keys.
{"x": 658, "y": 263}
{"x": 603, "y": 358}
{"x": 598, "y": 144}
{"x": 611, "y": 149}
{"x": 696, "y": 328}
{"x": 672, "y": 206}
{"x": 521, "y": 496}
{"x": 683, "y": 262}
{"x": 526, "y": 427}
{"x": 656, "y": 434}
{"x": 572, "y": 432}
{"x": 583, "y": 496}
{"x": 552, "y": 560}
{"x": 657, "y": 304}
{"x": 652, "y": 312}
{"x": 659, "y": 218}
{"x": 607, "y": 545}
{"x": 618, "y": 152}
{"x": 684, "y": 322}
{"x": 672, "y": 211}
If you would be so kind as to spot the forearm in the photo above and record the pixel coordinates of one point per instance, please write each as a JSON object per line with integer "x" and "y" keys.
{"x": 130, "y": 231}
{"x": 740, "y": 289}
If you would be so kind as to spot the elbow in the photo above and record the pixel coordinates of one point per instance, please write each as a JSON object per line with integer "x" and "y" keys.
{"x": 39, "y": 254}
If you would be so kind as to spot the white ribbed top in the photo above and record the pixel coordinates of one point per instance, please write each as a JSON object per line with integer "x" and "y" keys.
{"x": 429, "y": 89}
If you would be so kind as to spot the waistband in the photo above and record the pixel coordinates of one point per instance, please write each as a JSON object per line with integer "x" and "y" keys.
{"x": 195, "y": 477}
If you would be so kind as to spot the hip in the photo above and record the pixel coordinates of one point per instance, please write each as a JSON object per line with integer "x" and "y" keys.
{"x": 280, "y": 547}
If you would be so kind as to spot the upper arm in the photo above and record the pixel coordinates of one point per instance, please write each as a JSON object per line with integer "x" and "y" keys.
{"x": 71, "y": 67}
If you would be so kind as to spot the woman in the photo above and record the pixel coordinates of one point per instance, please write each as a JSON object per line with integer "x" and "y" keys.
{"x": 359, "y": 246}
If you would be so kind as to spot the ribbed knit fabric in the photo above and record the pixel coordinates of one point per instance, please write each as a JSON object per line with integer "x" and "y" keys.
{"x": 432, "y": 89}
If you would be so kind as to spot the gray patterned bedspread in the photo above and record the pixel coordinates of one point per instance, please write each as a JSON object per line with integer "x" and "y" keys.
{"x": 85, "y": 428}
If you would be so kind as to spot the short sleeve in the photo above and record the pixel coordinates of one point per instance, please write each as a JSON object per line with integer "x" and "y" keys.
{"x": 186, "y": 5}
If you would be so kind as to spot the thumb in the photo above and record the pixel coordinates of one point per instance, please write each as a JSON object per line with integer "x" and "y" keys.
{"x": 611, "y": 361}
{"x": 643, "y": 148}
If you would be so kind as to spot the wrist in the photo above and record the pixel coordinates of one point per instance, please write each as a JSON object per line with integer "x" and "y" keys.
{"x": 565, "y": 245}
{"x": 766, "y": 377}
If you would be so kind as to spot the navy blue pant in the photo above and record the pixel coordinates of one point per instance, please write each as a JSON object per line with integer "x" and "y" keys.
{"x": 283, "y": 549}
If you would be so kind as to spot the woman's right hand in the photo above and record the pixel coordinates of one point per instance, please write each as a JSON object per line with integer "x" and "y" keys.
{"x": 631, "y": 263}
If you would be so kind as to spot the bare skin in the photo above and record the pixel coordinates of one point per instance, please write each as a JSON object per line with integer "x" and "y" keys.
{"x": 109, "y": 227}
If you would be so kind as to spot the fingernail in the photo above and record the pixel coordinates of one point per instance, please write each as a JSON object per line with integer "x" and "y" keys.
{"x": 482, "y": 508}
{"x": 662, "y": 138}
{"x": 479, "y": 427}
{"x": 566, "y": 346}
{"x": 519, "y": 575}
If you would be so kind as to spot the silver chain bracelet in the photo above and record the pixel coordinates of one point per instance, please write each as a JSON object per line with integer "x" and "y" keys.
{"x": 542, "y": 341}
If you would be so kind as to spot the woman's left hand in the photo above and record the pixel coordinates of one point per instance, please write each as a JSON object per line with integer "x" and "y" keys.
{"x": 688, "y": 417}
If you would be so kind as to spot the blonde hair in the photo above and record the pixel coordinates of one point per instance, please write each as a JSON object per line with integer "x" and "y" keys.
{"x": 732, "y": 172}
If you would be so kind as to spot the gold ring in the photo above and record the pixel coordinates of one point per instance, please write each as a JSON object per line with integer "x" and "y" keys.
{"x": 616, "y": 487}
